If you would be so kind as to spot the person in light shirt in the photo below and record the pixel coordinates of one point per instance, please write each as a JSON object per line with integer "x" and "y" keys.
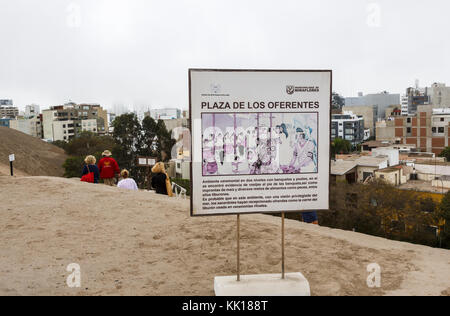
{"x": 126, "y": 182}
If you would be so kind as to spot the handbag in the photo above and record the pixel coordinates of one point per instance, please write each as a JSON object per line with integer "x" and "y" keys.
{"x": 168, "y": 186}
{"x": 88, "y": 177}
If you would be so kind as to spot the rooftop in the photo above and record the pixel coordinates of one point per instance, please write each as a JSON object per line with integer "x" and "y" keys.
{"x": 422, "y": 186}
{"x": 341, "y": 167}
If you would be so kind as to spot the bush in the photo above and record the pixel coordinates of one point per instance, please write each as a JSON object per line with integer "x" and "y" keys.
{"x": 73, "y": 167}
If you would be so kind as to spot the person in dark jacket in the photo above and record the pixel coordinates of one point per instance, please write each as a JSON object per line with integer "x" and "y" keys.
{"x": 159, "y": 180}
{"x": 91, "y": 167}
{"x": 310, "y": 217}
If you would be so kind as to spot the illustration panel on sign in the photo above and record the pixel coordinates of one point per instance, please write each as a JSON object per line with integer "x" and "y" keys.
{"x": 259, "y": 143}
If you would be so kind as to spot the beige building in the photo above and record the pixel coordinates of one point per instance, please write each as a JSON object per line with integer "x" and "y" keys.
{"x": 392, "y": 175}
{"x": 368, "y": 112}
{"x": 89, "y": 126}
{"x": 428, "y": 130}
{"x": 439, "y": 95}
{"x": 30, "y": 126}
{"x": 357, "y": 169}
{"x": 63, "y": 130}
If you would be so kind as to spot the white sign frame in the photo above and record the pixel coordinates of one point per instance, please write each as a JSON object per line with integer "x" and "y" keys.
{"x": 12, "y": 158}
{"x": 310, "y": 90}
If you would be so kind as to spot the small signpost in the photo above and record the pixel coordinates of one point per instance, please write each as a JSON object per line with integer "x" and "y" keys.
{"x": 12, "y": 158}
{"x": 146, "y": 162}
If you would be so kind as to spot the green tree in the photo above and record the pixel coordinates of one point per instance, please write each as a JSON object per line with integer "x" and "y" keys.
{"x": 164, "y": 141}
{"x": 337, "y": 101}
{"x": 73, "y": 167}
{"x": 149, "y": 145}
{"x": 340, "y": 146}
{"x": 128, "y": 137}
{"x": 445, "y": 153}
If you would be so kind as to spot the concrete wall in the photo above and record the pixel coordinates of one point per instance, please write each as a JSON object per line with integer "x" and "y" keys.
{"x": 431, "y": 169}
{"x": 393, "y": 154}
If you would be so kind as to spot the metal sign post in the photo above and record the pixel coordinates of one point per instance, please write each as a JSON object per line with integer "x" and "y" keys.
{"x": 11, "y": 160}
{"x": 282, "y": 245}
{"x": 238, "y": 248}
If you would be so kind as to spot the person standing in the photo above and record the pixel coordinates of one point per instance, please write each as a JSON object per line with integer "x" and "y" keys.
{"x": 109, "y": 168}
{"x": 90, "y": 171}
{"x": 161, "y": 181}
{"x": 310, "y": 217}
{"x": 127, "y": 182}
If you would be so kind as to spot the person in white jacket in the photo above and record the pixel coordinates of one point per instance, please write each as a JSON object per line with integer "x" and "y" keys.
{"x": 126, "y": 182}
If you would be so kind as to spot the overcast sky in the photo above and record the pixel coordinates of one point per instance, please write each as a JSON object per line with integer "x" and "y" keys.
{"x": 137, "y": 52}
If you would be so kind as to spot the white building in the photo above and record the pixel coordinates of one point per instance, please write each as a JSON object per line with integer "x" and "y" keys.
{"x": 164, "y": 114}
{"x": 404, "y": 103}
{"x": 48, "y": 117}
{"x": 89, "y": 126}
{"x": 348, "y": 126}
{"x": 392, "y": 154}
{"x": 63, "y": 130}
{"x": 30, "y": 126}
{"x": 32, "y": 110}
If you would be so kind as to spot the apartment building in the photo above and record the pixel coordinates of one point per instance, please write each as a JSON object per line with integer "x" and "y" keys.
{"x": 164, "y": 114}
{"x": 368, "y": 112}
{"x": 75, "y": 118}
{"x": 8, "y": 111}
{"x": 428, "y": 130}
{"x": 380, "y": 100}
{"x": 348, "y": 126}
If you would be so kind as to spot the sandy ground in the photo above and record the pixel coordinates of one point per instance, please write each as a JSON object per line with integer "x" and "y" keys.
{"x": 137, "y": 243}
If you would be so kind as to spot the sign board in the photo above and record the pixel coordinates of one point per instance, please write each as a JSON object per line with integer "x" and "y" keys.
{"x": 260, "y": 140}
{"x": 12, "y": 158}
{"x": 146, "y": 161}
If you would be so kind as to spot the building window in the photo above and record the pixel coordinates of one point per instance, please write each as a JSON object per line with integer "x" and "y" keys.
{"x": 408, "y": 130}
{"x": 442, "y": 119}
{"x": 433, "y": 129}
{"x": 440, "y": 130}
{"x": 408, "y": 120}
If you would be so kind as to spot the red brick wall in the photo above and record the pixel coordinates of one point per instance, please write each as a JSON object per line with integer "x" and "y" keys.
{"x": 411, "y": 141}
{"x": 423, "y": 122}
{"x": 414, "y": 121}
{"x": 414, "y": 132}
{"x": 423, "y": 144}
{"x": 399, "y": 132}
{"x": 438, "y": 142}
{"x": 423, "y": 132}
{"x": 398, "y": 122}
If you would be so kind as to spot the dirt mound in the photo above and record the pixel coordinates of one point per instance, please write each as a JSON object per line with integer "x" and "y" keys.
{"x": 34, "y": 157}
{"x": 140, "y": 243}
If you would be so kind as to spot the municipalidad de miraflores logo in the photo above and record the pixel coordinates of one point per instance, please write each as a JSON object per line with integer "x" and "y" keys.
{"x": 292, "y": 89}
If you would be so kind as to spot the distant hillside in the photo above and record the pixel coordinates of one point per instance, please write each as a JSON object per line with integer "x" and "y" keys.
{"x": 34, "y": 157}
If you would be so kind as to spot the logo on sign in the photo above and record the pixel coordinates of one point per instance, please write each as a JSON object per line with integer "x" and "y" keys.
{"x": 215, "y": 88}
{"x": 293, "y": 89}
{"x": 290, "y": 89}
